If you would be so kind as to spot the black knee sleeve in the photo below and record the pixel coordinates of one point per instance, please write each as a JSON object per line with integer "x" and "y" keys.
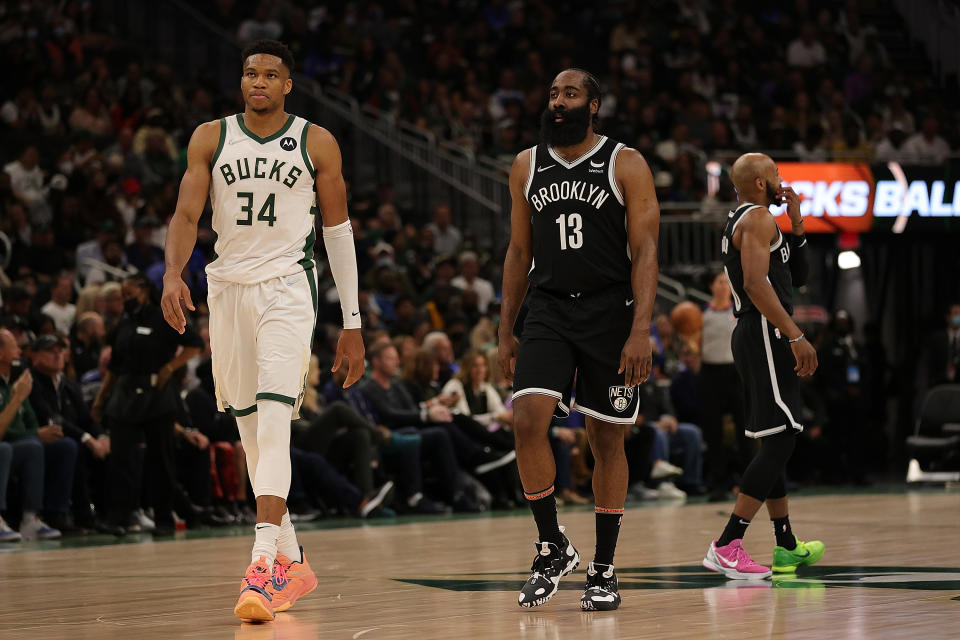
{"x": 779, "y": 489}
{"x": 764, "y": 475}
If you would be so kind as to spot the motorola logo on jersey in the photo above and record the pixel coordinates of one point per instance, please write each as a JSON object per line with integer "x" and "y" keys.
{"x": 288, "y": 144}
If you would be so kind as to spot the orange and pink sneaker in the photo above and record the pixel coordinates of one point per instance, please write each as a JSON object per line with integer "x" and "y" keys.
{"x": 734, "y": 562}
{"x": 256, "y": 594}
{"x": 291, "y": 581}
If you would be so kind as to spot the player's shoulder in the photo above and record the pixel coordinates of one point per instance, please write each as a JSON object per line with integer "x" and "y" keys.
{"x": 207, "y": 139}
{"x": 521, "y": 164}
{"x": 629, "y": 159}
{"x": 317, "y": 134}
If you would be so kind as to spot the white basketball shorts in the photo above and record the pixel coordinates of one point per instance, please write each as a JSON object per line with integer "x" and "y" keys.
{"x": 260, "y": 338}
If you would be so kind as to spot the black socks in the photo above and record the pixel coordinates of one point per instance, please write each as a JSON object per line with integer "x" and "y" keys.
{"x": 543, "y": 504}
{"x": 608, "y": 529}
{"x": 785, "y": 537}
{"x": 735, "y": 530}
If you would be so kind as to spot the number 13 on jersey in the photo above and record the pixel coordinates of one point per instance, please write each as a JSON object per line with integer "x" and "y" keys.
{"x": 573, "y": 224}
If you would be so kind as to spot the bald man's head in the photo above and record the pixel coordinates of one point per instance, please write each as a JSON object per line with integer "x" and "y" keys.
{"x": 756, "y": 179}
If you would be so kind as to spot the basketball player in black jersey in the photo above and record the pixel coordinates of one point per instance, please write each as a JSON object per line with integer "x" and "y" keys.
{"x": 584, "y": 230}
{"x": 770, "y": 352}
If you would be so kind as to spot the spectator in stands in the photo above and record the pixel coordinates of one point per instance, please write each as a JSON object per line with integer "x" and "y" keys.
{"x": 92, "y": 115}
{"x": 59, "y": 307}
{"x": 113, "y": 307}
{"x": 469, "y": 280}
{"x": 673, "y": 440}
{"x": 260, "y": 26}
{"x": 926, "y": 147}
{"x": 142, "y": 253}
{"x": 446, "y": 237}
{"x": 397, "y": 410}
{"x": 439, "y": 344}
{"x": 87, "y": 342}
{"x": 58, "y": 399}
{"x": 29, "y": 443}
{"x": 114, "y": 267}
{"x": 719, "y": 392}
{"x": 26, "y": 183}
{"x": 140, "y": 401}
{"x": 838, "y": 381}
{"x": 891, "y": 148}
{"x": 477, "y": 398}
{"x": 806, "y": 51}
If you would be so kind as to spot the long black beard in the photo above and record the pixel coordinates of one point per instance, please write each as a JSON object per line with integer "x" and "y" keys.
{"x": 571, "y": 130}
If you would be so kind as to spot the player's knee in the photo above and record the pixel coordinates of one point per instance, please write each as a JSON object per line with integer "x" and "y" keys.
{"x": 606, "y": 443}
{"x": 778, "y": 448}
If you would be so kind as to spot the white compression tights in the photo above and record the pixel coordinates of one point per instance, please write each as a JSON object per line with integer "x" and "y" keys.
{"x": 265, "y": 435}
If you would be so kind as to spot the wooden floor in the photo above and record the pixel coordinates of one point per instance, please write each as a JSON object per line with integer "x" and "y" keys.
{"x": 891, "y": 571}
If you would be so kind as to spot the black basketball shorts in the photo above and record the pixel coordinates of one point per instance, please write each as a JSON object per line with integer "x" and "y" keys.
{"x": 569, "y": 340}
{"x": 771, "y": 387}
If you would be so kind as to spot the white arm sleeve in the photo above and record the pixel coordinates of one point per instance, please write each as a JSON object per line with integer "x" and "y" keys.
{"x": 342, "y": 255}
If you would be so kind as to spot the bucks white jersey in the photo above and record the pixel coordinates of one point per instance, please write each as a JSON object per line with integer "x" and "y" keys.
{"x": 262, "y": 192}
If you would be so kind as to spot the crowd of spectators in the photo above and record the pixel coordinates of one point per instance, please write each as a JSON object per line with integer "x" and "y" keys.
{"x": 96, "y": 149}
{"x": 683, "y": 80}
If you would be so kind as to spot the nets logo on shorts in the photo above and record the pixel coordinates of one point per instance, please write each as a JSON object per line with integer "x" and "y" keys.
{"x": 288, "y": 144}
{"x": 620, "y": 397}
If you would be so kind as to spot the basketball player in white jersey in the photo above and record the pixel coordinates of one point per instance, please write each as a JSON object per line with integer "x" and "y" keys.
{"x": 264, "y": 170}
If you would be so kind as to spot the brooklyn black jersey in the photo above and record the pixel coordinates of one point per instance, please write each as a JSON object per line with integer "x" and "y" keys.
{"x": 579, "y": 220}
{"x": 778, "y": 274}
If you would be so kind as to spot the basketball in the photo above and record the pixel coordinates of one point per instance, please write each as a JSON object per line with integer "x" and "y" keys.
{"x": 686, "y": 318}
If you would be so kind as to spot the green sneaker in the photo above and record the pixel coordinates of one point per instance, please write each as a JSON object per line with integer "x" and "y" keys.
{"x": 805, "y": 553}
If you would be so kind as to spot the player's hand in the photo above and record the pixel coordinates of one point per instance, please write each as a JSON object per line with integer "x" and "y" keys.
{"x": 793, "y": 204}
{"x": 175, "y": 290}
{"x": 350, "y": 346}
{"x": 806, "y": 357}
{"x": 507, "y": 355}
{"x": 636, "y": 359}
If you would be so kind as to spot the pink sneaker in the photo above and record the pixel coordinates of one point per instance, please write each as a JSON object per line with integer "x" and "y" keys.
{"x": 734, "y": 562}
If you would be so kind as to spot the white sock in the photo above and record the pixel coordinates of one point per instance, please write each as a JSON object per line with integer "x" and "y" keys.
{"x": 265, "y": 544}
{"x": 287, "y": 542}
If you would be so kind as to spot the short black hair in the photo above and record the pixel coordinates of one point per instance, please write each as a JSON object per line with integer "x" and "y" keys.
{"x": 271, "y": 48}
{"x": 592, "y": 85}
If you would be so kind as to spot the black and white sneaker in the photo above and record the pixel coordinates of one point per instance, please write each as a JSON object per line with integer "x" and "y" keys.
{"x": 551, "y": 563}
{"x": 603, "y": 588}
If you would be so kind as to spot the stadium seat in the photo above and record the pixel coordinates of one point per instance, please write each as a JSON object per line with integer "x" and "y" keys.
{"x": 937, "y": 437}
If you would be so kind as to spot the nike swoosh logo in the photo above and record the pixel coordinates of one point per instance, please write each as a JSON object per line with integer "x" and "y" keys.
{"x": 743, "y": 522}
{"x": 355, "y": 313}
{"x": 261, "y": 526}
{"x": 596, "y": 165}
{"x": 629, "y": 302}
{"x": 726, "y": 562}
{"x": 804, "y": 555}
{"x": 236, "y": 141}
{"x": 539, "y": 169}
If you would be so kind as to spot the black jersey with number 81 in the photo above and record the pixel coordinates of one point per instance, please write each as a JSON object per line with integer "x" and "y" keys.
{"x": 579, "y": 220}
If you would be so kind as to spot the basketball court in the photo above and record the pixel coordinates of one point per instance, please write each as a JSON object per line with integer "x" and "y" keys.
{"x": 888, "y": 573}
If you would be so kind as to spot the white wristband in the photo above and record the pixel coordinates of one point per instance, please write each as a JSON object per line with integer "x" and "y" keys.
{"x": 342, "y": 255}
